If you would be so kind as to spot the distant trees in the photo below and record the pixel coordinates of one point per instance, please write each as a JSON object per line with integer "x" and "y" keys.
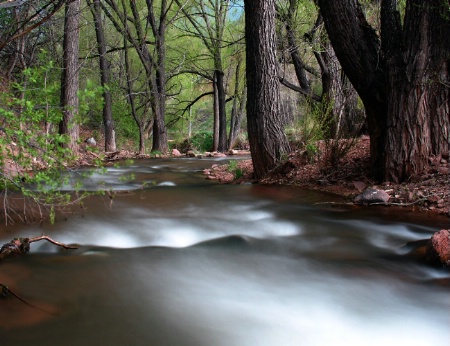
{"x": 401, "y": 76}
{"x": 207, "y": 21}
{"x": 266, "y": 135}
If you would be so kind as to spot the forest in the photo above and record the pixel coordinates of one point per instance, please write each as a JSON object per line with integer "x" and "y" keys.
{"x": 213, "y": 75}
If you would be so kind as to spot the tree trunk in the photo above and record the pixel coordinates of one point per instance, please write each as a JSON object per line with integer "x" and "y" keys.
{"x": 222, "y": 147}
{"x": 268, "y": 142}
{"x": 404, "y": 82}
{"x": 108, "y": 122}
{"x": 70, "y": 75}
{"x": 216, "y": 120}
{"x": 418, "y": 105}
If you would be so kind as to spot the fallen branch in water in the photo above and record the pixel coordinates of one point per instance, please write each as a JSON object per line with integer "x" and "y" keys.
{"x": 21, "y": 246}
{"x": 6, "y": 291}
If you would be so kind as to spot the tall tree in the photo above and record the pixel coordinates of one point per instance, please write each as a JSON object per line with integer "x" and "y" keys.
{"x": 402, "y": 78}
{"x": 208, "y": 20}
{"x": 134, "y": 29}
{"x": 268, "y": 143}
{"x": 70, "y": 75}
{"x": 108, "y": 122}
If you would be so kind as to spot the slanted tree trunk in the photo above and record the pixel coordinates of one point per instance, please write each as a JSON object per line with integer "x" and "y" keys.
{"x": 108, "y": 122}
{"x": 70, "y": 75}
{"x": 268, "y": 142}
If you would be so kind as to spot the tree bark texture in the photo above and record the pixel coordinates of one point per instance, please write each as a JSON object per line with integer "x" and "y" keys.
{"x": 402, "y": 79}
{"x": 268, "y": 143}
{"x": 70, "y": 75}
{"x": 417, "y": 61}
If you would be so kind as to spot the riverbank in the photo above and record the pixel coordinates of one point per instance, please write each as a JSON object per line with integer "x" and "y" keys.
{"x": 429, "y": 192}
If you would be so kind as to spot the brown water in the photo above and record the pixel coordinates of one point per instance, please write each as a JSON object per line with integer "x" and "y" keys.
{"x": 186, "y": 261}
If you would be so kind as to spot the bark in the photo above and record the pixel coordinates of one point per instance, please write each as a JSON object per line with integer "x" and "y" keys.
{"x": 221, "y": 95}
{"x": 238, "y": 108}
{"x": 159, "y": 29}
{"x": 108, "y": 122}
{"x": 268, "y": 142}
{"x": 70, "y": 75}
{"x": 417, "y": 59}
{"x": 402, "y": 81}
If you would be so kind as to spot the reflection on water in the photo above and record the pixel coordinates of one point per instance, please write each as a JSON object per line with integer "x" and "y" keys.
{"x": 204, "y": 264}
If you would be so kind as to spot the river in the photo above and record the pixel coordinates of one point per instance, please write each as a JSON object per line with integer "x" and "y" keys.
{"x": 187, "y": 261}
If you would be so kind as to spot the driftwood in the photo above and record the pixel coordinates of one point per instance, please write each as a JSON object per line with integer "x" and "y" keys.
{"x": 21, "y": 246}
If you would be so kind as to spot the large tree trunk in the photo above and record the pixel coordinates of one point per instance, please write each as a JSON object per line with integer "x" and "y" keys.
{"x": 70, "y": 75}
{"x": 108, "y": 122}
{"x": 418, "y": 112}
{"x": 268, "y": 142}
{"x": 403, "y": 82}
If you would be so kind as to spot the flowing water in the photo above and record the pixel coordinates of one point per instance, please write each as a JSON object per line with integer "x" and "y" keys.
{"x": 186, "y": 261}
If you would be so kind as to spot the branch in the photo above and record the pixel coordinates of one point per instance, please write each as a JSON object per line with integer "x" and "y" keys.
{"x": 21, "y": 246}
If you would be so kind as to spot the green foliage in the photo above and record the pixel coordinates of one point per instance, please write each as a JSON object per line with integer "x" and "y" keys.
{"x": 202, "y": 141}
{"x": 32, "y": 157}
{"x": 235, "y": 169}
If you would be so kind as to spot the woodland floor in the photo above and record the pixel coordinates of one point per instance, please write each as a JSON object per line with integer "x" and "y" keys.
{"x": 350, "y": 176}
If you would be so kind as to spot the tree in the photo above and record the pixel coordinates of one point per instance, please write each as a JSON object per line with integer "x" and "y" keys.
{"x": 70, "y": 75}
{"x": 108, "y": 122}
{"x": 402, "y": 77}
{"x": 268, "y": 142}
{"x": 208, "y": 20}
{"x": 135, "y": 32}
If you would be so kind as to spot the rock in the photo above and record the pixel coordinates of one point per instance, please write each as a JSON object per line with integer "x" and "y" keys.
{"x": 91, "y": 141}
{"x": 176, "y": 153}
{"x": 444, "y": 170}
{"x": 217, "y": 154}
{"x": 191, "y": 153}
{"x": 433, "y": 199}
{"x": 372, "y": 196}
{"x": 359, "y": 185}
{"x": 438, "y": 248}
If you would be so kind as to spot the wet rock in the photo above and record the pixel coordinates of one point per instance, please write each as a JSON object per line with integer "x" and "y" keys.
{"x": 372, "y": 196}
{"x": 438, "y": 248}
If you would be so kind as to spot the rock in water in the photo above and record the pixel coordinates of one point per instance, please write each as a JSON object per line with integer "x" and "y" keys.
{"x": 438, "y": 248}
{"x": 372, "y": 196}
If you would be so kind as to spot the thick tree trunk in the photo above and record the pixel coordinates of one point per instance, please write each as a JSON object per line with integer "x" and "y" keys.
{"x": 108, "y": 122}
{"x": 418, "y": 111}
{"x": 268, "y": 142}
{"x": 403, "y": 81}
{"x": 70, "y": 75}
